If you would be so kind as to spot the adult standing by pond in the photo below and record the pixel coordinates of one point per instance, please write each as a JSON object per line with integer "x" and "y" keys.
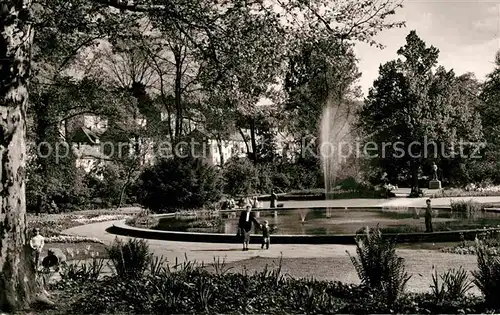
{"x": 245, "y": 225}
{"x": 274, "y": 199}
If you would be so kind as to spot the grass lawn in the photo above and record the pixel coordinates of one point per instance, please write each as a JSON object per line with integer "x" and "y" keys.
{"x": 427, "y": 246}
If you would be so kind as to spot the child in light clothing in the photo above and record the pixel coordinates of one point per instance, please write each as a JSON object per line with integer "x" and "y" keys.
{"x": 37, "y": 242}
{"x": 266, "y": 235}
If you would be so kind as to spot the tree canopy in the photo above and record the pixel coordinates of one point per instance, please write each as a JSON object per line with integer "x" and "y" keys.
{"x": 413, "y": 104}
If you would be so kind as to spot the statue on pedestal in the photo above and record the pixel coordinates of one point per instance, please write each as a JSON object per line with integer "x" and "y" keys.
{"x": 435, "y": 171}
{"x": 435, "y": 183}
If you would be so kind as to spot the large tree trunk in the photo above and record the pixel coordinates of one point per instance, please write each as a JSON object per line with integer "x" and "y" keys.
{"x": 17, "y": 278}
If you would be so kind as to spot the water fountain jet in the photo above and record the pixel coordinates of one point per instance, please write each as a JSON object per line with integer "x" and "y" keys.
{"x": 334, "y": 129}
{"x": 303, "y": 214}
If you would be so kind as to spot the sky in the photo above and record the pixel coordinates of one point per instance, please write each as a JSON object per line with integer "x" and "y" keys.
{"x": 465, "y": 32}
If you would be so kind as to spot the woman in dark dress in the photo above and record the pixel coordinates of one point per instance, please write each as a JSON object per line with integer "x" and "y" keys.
{"x": 245, "y": 226}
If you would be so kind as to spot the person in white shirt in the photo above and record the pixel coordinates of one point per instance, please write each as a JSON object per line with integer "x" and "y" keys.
{"x": 37, "y": 242}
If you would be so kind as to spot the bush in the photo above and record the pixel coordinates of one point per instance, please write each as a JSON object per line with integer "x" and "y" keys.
{"x": 178, "y": 184}
{"x": 61, "y": 190}
{"x": 81, "y": 272}
{"x": 487, "y": 277}
{"x": 455, "y": 284}
{"x": 240, "y": 177}
{"x": 130, "y": 260}
{"x": 106, "y": 183}
{"x": 190, "y": 288}
{"x": 378, "y": 266}
{"x": 281, "y": 181}
{"x": 143, "y": 219}
{"x": 469, "y": 207}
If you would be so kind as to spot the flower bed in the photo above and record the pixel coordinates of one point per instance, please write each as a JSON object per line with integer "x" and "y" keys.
{"x": 72, "y": 239}
{"x": 471, "y": 190}
{"x": 101, "y": 218}
{"x": 489, "y": 238}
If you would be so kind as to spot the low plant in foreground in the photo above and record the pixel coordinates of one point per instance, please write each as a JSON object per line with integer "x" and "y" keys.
{"x": 192, "y": 288}
{"x": 452, "y": 285}
{"x": 188, "y": 287}
{"x": 130, "y": 259}
{"x": 378, "y": 266}
{"x": 487, "y": 277}
{"x": 80, "y": 272}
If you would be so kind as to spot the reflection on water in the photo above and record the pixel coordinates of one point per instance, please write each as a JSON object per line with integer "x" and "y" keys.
{"x": 321, "y": 221}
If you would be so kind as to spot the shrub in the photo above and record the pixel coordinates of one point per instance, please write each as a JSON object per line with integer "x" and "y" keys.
{"x": 188, "y": 288}
{"x": 106, "y": 183}
{"x": 131, "y": 259}
{"x": 350, "y": 184}
{"x": 82, "y": 271}
{"x": 487, "y": 277}
{"x": 469, "y": 207}
{"x": 281, "y": 181}
{"x": 143, "y": 219}
{"x": 455, "y": 284}
{"x": 378, "y": 266}
{"x": 177, "y": 183}
{"x": 240, "y": 177}
{"x": 306, "y": 174}
{"x": 61, "y": 190}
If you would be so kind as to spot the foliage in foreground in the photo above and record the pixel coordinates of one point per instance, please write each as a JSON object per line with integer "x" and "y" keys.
{"x": 130, "y": 259}
{"x": 378, "y": 266}
{"x": 487, "y": 277}
{"x": 192, "y": 288}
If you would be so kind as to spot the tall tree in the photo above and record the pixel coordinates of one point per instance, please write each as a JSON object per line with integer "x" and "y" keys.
{"x": 490, "y": 116}
{"x": 321, "y": 74}
{"x": 411, "y": 105}
{"x": 17, "y": 285}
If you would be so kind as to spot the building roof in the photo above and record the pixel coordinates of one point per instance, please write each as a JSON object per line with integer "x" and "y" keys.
{"x": 85, "y": 135}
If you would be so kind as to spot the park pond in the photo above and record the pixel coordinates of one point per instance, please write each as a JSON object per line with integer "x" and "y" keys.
{"x": 327, "y": 221}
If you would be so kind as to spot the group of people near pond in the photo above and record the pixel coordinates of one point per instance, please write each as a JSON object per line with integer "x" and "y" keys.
{"x": 230, "y": 203}
{"x": 247, "y": 219}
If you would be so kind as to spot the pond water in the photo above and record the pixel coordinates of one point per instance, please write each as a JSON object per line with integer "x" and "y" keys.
{"x": 321, "y": 221}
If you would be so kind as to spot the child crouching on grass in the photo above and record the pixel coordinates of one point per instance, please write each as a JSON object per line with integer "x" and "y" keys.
{"x": 266, "y": 235}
